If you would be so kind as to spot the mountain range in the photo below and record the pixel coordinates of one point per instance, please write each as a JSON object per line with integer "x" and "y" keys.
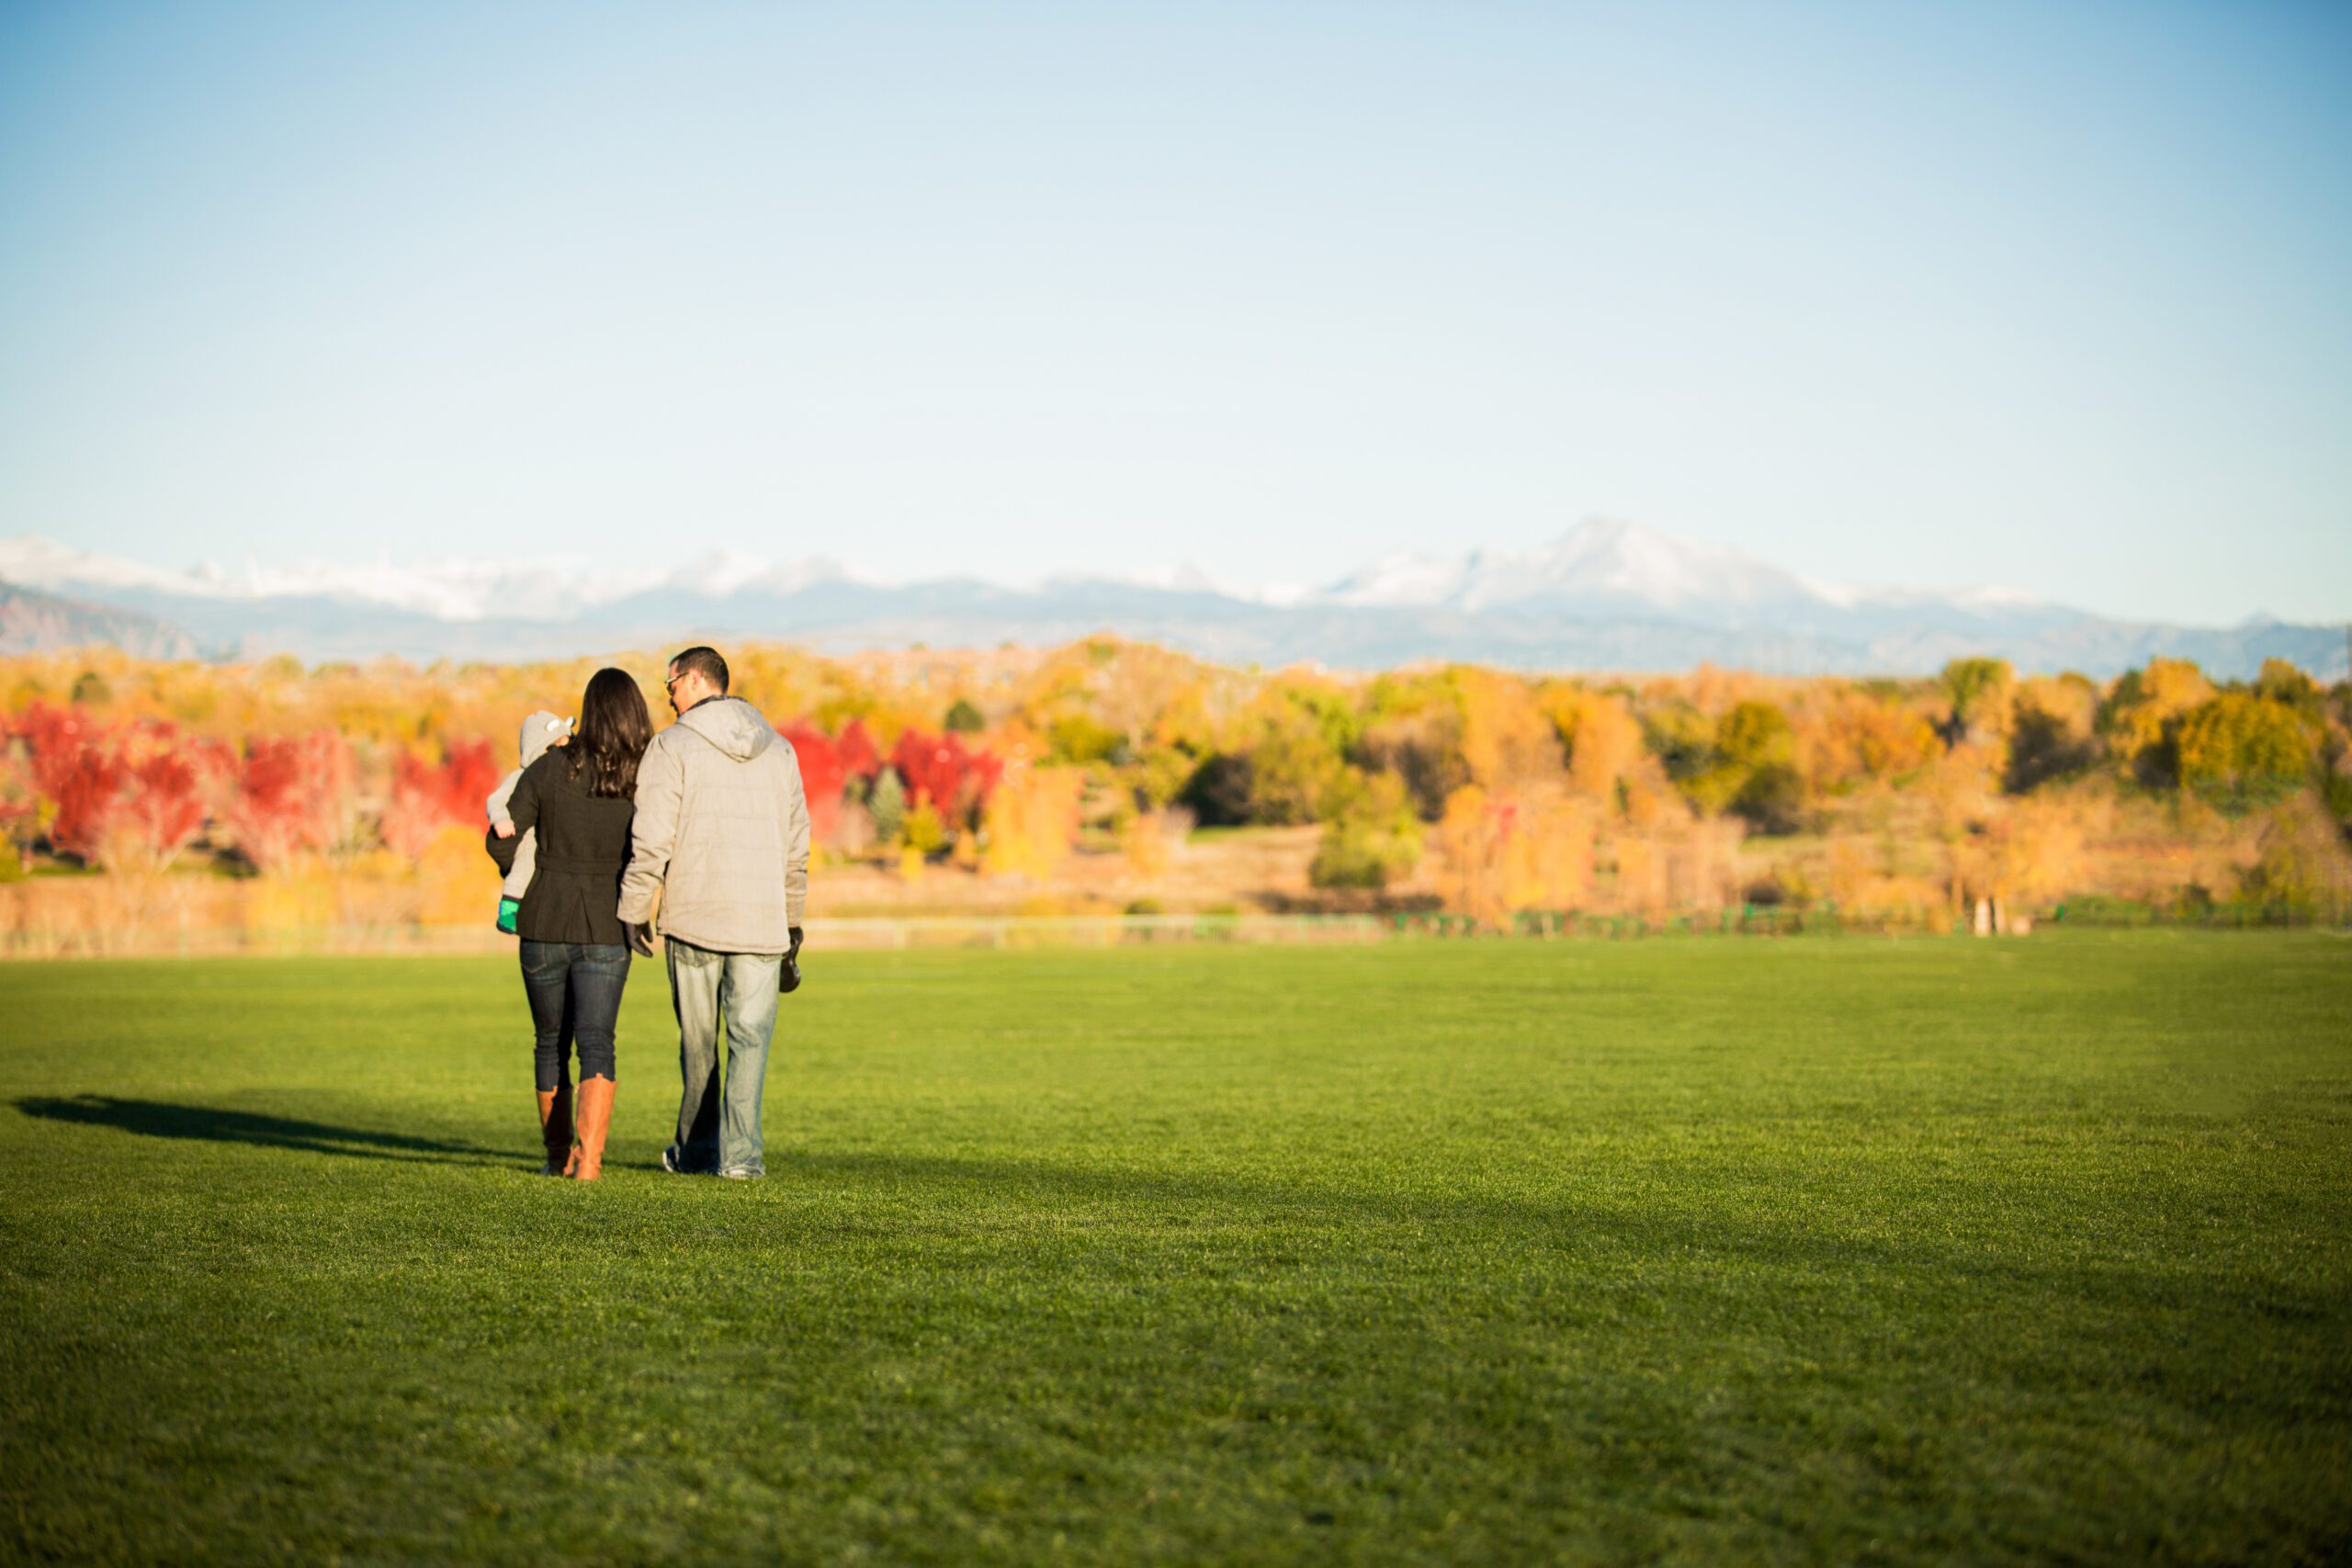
{"x": 1607, "y": 595}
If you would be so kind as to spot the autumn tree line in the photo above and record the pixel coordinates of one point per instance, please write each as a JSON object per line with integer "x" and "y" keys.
{"x": 1486, "y": 793}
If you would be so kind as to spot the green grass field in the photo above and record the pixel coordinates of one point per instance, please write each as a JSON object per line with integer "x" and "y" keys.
{"x": 1800, "y": 1251}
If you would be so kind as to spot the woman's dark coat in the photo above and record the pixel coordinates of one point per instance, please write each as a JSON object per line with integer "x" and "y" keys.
{"x": 583, "y": 847}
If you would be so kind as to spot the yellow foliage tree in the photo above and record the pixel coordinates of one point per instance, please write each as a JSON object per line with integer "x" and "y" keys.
{"x": 1603, "y": 740}
{"x": 457, "y": 881}
{"x": 2037, "y": 851}
{"x": 2303, "y": 868}
{"x": 2143, "y": 710}
{"x": 1640, "y": 885}
{"x": 2244, "y": 749}
{"x": 1547, "y": 860}
{"x": 1146, "y": 845}
{"x": 1032, "y": 819}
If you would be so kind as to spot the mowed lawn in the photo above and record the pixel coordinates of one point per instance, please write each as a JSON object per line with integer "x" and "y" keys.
{"x": 1815, "y": 1250}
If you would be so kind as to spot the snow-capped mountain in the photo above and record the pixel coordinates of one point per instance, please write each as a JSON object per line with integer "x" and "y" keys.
{"x": 442, "y": 589}
{"x": 1606, "y": 595}
{"x": 1600, "y": 563}
{"x": 1400, "y": 580}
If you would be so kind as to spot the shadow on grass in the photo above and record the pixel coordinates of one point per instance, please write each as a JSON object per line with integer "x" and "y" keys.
{"x": 161, "y": 1118}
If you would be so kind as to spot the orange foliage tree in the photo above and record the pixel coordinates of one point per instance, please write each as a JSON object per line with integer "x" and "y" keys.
{"x": 1500, "y": 854}
{"x": 1857, "y": 738}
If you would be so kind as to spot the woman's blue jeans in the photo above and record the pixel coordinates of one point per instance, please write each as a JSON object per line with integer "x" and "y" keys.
{"x": 583, "y": 979}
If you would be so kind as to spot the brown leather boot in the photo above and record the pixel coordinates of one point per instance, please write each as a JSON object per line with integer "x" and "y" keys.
{"x": 555, "y": 1130}
{"x": 595, "y": 1115}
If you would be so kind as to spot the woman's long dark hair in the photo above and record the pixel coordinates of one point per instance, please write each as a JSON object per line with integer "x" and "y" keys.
{"x": 615, "y": 730}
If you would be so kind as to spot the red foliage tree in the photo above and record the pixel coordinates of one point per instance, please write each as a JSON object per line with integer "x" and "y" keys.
{"x": 54, "y": 731}
{"x": 412, "y": 814}
{"x": 87, "y": 789}
{"x": 268, "y": 814}
{"x": 426, "y": 797}
{"x": 292, "y": 795}
{"x": 75, "y": 768}
{"x": 987, "y": 773}
{"x": 860, "y": 758}
{"x": 954, "y": 778}
{"x": 821, "y": 776}
{"x": 165, "y": 808}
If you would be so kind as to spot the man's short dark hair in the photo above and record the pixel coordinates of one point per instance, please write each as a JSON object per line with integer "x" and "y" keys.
{"x": 705, "y": 662}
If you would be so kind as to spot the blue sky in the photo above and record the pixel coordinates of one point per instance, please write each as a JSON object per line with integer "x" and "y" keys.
{"x": 2052, "y": 295}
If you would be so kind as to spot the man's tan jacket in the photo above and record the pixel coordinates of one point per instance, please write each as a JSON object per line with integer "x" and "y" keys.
{"x": 721, "y": 834}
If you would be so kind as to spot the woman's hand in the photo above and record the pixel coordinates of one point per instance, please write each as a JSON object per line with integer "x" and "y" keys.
{"x": 504, "y": 829}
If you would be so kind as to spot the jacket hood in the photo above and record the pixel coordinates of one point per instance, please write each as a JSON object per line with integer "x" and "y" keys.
{"x": 732, "y": 725}
{"x": 540, "y": 732}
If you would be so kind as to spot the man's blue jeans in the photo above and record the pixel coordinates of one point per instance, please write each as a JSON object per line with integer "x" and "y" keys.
{"x": 721, "y": 1132}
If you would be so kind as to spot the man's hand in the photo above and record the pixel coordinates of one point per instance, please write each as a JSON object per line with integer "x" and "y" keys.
{"x": 641, "y": 938}
{"x": 787, "y": 979}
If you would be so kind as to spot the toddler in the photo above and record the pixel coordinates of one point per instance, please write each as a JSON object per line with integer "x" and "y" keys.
{"x": 541, "y": 730}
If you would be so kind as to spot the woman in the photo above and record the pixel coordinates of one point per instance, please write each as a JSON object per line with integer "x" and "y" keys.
{"x": 580, "y": 799}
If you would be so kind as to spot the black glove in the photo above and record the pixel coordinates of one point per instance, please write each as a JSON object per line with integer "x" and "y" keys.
{"x": 641, "y": 938}
{"x": 788, "y": 979}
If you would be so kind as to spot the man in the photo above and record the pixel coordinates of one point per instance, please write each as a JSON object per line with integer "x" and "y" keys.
{"x": 721, "y": 836}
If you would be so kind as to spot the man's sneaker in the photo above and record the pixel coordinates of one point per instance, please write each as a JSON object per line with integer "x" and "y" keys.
{"x": 740, "y": 1173}
{"x": 673, "y": 1161}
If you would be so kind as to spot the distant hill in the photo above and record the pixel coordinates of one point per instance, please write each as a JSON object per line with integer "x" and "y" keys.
{"x": 1606, "y": 595}
{"x": 35, "y": 622}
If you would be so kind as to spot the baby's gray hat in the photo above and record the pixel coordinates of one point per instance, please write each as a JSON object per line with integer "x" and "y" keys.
{"x": 540, "y": 732}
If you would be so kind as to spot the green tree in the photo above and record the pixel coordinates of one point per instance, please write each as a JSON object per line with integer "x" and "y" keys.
{"x": 962, "y": 718}
{"x": 1219, "y": 791}
{"x": 1294, "y": 761}
{"x": 1771, "y": 799}
{"x": 1423, "y": 750}
{"x": 2283, "y": 683}
{"x": 1078, "y": 738}
{"x": 1981, "y": 692}
{"x": 1679, "y": 735}
{"x": 2053, "y": 735}
{"x": 1754, "y": 734}
{"x": 888, "y": 806}
{"x": 925, "y": 833}
{"x": 1748, "y": 769}
{"x": 1371, "y": 837}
